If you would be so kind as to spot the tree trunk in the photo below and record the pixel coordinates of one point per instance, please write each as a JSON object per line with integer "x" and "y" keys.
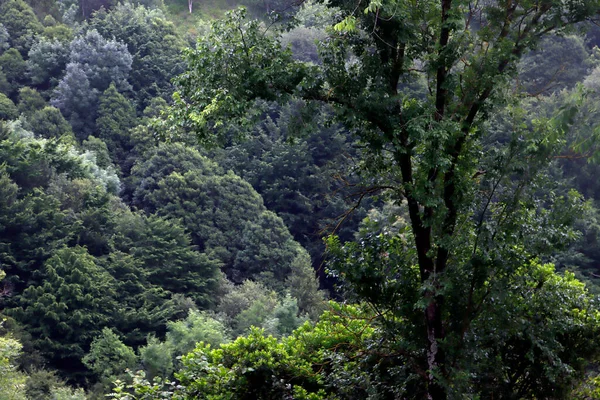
{"x": 435, "y": 354}
{"x": 190, "y": 4}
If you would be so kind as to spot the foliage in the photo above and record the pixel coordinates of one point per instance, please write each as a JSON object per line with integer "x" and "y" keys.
{"x": 47, "y": 59}
{"x": 12, "y": 382}
{"x": 116, "y": 116}
{"x": 21, "y": 24}
{"x": 13, "y": 67}
{"x": 183, "y": 335}
{"x": 304, "y": 287}
{"x": 108, "y": 357}
{"x": 246, "y": 305}
{"x": 156, "y": 358}
{"x": 94, "y": 63}
{"x": 307, "y": 181}
{"x": 8, "y": 110}
{"x": 49, "y": 123}
{"x": 152, "y": 41}
{"x": 4, "y": 36}
{"x": 67, "y": 311}
{"x": 100, "y": 150}
{"x": 257, "y": 366}
{"x": 225, "y": 216}
{"x": 560, "y": 62}
{"x": 30, "y": 101}
{"x": 167, "y": 257}
{"x": 104, "y": 61}
{"x": 77, "y": 100}
{"x": 431, "y": 283}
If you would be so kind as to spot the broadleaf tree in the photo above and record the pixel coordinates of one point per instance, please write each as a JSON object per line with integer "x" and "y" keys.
{"x": 476, "y": 219}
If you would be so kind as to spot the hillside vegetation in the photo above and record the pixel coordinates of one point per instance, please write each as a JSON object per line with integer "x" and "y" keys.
{"x": 299, "y": 200}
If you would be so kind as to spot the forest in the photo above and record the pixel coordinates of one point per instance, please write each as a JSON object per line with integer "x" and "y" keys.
{"x": 299, "y": 199}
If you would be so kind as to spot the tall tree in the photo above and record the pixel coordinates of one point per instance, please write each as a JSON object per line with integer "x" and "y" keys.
{"x": 69, "y": 309}
{"x": 116, "y": 116}
{"x": 475, "y": 221}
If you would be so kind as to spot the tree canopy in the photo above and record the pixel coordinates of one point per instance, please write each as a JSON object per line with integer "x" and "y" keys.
{"x": 473, "y": 212}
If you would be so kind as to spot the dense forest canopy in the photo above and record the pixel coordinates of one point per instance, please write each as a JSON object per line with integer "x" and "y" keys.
{"x": 183, "y": 188}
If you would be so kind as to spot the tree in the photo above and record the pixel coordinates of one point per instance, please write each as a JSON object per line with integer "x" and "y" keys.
{"x": 304, "y": 287}
{"x": 4, "y": 36}
{"x": 50, "y": 123}
{"x": 47, "y": 60}
{"x": 156, "y": 358}
{"x": 70, "y": 308}
{"x": 168, "y": 259}
{"x": 14, "y": 68}
{"x": 77, "y": 101}
{"x": 108, "y": 357}
{"x": 30, "y": 101}
{"x": 153, "y": 43}
{"x": 21, "y": 23}
{"x": 12, "y": 382}
{"x": 182, "y": 336}
{"x": 223, "y": 213}
{"x": 103, "y": 61}
{"x": 8, "y": 110}
{"x": 559, "y": 62}
{"x": 246, "y": 305}
{"x": 116, "y": 116}
{"x": 473, "y": 214}
{"x": 94, "y": 63}
{"x": 262, "y": 367}
{"x": 100, "y": 150}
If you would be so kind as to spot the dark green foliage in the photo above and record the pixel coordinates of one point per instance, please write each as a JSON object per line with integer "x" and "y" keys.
{"x": 161, "y": 162}
{"x": 143, "y": 308}
{"x": 166, "y": 257}
{"x": 8, "y": 110}
{"x": 30, "y": 101}
{"x": 69, "y": 309}
{"x": 31, "y": 229}
{"x": 100, "y": 150}
{"x": 103, "y": 60}
{"x": 5, "y": 87}
{"x": 304, "y": 287}
{"x": 266, "y": 251}
{"x": 49, "y": 123}
{"x": 4, "y": 36}
{"x": 77, "y": 101}
{"x": 223, "y": 214}
{"x": 21, "y": 23}
{"x": 308, "y": 182}
{"x": 14, "y": 68}
{"x": 94, "y": 63}
{"x": 116, "y": 116}
{"x": 559, "y": 62}
{"x": 88, "y": 7}
{"x": 92, "y": 206}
